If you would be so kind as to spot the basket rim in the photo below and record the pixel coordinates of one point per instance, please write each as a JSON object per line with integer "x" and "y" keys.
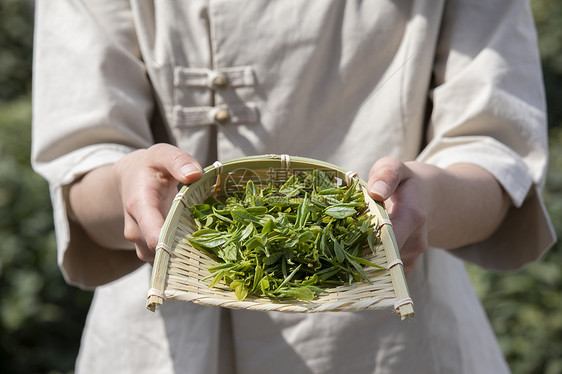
{"x": 273, "y": 160}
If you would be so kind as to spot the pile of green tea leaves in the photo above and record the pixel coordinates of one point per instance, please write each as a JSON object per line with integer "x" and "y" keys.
{"x": 286, "y": 242}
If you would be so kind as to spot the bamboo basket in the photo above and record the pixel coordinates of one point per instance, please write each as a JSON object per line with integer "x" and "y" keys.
{"x": 179, "y": 269}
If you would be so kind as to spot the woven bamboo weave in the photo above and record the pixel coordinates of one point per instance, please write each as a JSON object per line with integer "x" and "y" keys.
{"x": 179, "y": 269}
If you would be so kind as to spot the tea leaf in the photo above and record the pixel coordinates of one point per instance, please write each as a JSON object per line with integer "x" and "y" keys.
{"x": 301, "y": 293}
{"x": 340, "y": 212}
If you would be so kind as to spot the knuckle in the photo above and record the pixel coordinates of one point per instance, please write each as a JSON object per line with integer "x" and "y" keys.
{"x": 386, "y": 160}
{"x": 390, "y": 173}
{"x": 151, "y": 243}
{"x": 130, "y": 206}
{"x": 387, "y": 168}
{"x": 144, "y": 254}
{"x": 419, "y": 219}
{"x": 131, "y": 230}
{"x": 179, "y": 159}
{"x": 130, "y": 233}
{"x": 414, "y": 247}
{"x": 157, "y": 148}
{"x": 418, "y": 247}
{"x": 389, "y": 162}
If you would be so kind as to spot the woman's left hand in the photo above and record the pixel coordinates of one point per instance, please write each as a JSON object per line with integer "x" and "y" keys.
{"x": 406, "y": 198}
{"x": 432, "y": 206}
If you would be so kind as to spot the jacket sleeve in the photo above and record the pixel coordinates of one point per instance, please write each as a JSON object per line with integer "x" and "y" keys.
{"x": 489, "y": 110}
{"x": 91, "y": 105}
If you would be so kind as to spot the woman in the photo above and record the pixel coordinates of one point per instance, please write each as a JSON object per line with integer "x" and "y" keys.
{"x": 440, "y": 105}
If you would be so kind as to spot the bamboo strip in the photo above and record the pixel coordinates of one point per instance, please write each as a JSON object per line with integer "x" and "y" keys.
{"x": 158, "y": 280}
{"x": 392, "y": 253}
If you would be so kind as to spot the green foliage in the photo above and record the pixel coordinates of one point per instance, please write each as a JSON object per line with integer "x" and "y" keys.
{"x": 40, "y": 317}
{"x": 16, "y": 40}
{"x": 548, "y": 17}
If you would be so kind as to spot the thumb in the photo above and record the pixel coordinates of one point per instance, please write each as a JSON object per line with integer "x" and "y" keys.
{"x": 181, "y": 165}
{"x": 385, "y": 176}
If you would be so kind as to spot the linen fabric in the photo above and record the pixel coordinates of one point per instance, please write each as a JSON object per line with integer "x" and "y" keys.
{"x": 347, "y": 82}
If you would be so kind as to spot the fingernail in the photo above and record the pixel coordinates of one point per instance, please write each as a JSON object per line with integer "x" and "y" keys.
{"x": 381, "y": 189}
{"x": 189, "y": 170}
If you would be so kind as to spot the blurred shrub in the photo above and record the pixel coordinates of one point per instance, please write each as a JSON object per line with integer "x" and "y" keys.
{"x": 41, "y": 318}
{"x": 16, "y": 41}
{"x": 548, "y": 17}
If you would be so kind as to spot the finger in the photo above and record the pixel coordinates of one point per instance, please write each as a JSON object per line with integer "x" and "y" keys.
{"x": 409, "y": 224}
{"x": 407, "y": 219}
{"x": 412, "y": 250}
{"x": 133, "y": 234}
{"x": 180, "y": 165}
{"x": 144, "y": 217}
{"x": 385, "y": 176}
{"x": 145, "y": 254}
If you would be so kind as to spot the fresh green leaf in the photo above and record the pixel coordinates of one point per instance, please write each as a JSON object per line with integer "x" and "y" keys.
{"x": 340, "y": 212}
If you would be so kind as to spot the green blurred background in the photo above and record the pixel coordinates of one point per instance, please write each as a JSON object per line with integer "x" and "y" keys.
{"x": 41, "y": 318}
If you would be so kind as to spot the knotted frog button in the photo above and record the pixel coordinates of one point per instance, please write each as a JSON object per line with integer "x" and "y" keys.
{"x": 220, "y": 81}
{"x": 222, "y": 116}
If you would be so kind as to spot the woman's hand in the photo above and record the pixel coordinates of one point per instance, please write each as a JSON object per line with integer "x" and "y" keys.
{"x": 148, "y": 180}
{"x": 407, "y": 200}
{"x": 431, "y": 206}
{"x": 127, "y": 202}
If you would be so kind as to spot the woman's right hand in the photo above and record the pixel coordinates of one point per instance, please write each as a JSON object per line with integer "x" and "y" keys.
{"x": 148, "y": 180}
{"x": 129, "y": 200}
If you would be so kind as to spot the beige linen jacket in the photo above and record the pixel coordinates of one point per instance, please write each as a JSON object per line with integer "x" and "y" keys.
{"x": 347, "y": 82}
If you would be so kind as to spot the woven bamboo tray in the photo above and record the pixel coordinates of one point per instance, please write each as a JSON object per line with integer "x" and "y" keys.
{"x": 179, "y": 269}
